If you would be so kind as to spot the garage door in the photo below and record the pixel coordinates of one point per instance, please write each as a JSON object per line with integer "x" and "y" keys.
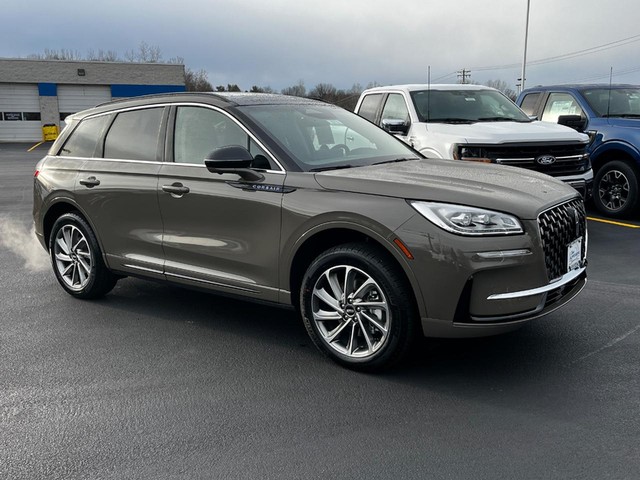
{"x": 19, "y": 113}
{"x": 74, "y": 98}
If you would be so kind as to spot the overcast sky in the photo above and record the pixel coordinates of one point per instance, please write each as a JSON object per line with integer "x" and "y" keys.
{"x": 276, "y": 43}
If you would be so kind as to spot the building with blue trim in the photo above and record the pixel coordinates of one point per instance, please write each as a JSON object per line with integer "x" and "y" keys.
{"x": 39, "y": 93}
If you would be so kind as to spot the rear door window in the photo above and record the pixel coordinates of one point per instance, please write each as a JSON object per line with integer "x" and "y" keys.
{"x": 529, "y": 103}
{"x": 134, "y": 135}
{"x": 84, "y": 139}
{"x": 369, "y": 106}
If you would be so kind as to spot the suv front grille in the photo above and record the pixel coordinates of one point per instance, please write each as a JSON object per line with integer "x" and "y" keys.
{"x": 559, "y": 226}
{"x": 570, "y": 158}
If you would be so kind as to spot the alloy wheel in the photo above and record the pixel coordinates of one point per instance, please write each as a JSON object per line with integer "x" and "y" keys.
{"x": 613, "y": 190}
{"x": 72, "y": 257}
{"x": 350, "y": 311}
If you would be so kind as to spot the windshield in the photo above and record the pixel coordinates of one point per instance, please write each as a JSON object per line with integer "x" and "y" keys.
{"x": 616, "y": 102}
{"x": 324, "y": 137}
{"x": 465, "y": 106}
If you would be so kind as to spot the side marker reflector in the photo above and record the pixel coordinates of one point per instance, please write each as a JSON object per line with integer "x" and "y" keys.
{"x": 403, "y": 248}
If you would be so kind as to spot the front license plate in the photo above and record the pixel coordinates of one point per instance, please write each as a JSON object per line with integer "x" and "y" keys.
{"x": 574, "y": 254}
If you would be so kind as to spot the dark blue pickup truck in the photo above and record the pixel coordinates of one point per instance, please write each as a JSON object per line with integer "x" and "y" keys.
{"x": 610, "y": 115}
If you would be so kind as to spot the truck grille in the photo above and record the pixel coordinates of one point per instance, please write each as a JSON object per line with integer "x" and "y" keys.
{"x": 570, "y": 159}
{"x": 559, "y": 226}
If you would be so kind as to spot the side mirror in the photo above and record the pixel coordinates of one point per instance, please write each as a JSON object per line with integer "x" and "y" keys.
{"x": 533, "y": 118}
{"x": 395, "y": 126}
{"x": 574, "y": 121}
{"x": 232, "y": 159}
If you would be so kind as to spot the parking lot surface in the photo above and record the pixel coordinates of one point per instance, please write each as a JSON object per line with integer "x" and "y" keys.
{"x": 155, "y": 381}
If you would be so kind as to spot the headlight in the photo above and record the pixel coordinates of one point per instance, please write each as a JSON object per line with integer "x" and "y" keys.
{"x": 464, "y": 220}
{"x": 470, "y": 154}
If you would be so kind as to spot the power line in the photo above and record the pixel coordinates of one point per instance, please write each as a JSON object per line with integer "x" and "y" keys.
{"x": 451, "y": 74}
{"x": 606, "y": 75}
{"x": 566, "y": 56}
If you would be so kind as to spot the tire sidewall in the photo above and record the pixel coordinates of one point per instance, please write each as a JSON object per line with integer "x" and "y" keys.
{"x": 400, "y": 313}
{"x": 76, "y": 221}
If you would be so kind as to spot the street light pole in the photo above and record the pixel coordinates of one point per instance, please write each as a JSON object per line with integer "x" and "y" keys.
{"x": 524, "y": 59}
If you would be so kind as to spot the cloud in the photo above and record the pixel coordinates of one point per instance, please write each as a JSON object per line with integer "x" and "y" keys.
{"x": 277, "y": 43}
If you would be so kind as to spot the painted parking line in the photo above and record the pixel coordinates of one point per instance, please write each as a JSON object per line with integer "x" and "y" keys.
{"x": 611, "y": 222}
{"x": 35, "y": 146}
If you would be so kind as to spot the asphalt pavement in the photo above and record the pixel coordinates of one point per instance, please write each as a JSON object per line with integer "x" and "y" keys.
{"x": 160, "y": 382}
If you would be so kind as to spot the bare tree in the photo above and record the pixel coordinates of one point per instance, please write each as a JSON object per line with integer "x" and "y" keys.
{"x": 298, "y": 90}
{"x": 52, "y": 54}
{"x": 256, "y": 89}
{"x": 145, "y": 54}
{"x": 324, "y": 91}
{"x": 503, "y": 87}
{"x": 196, "y": 81}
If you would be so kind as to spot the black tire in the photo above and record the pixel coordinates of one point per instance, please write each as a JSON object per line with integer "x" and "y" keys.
{"x": 615, "y": 190}
{"x": 387, "y": 299}
{"x": 76, "y": 258}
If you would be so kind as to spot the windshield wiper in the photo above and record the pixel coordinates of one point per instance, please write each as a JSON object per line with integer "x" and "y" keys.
{"x": 496, "y": 119}
{"x": 450, "y": 120}
{"x": 397, "y": 160}
{"x": 333, "y": 167}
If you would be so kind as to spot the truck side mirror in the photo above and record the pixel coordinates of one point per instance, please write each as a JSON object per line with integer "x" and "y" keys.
{"x": 397, "y": 127}
{"x": 574, "y": 121}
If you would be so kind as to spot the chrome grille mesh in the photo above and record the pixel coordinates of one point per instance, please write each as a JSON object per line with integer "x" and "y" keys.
{"x": 559, "y": 226}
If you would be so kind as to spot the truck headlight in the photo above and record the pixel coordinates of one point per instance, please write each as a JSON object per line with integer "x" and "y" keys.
{"x": 471, "y": 154}
{"x": 470, "y": 221}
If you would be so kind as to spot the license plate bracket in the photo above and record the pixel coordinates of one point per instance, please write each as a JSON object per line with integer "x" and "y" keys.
{"x": 574, "y": 254}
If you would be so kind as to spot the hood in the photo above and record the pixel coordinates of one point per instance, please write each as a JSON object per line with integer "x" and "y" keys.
{"x": 509, "y": 189}
{"x": 508, "y": 132}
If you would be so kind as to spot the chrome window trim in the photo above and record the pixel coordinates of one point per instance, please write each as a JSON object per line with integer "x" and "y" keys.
{"x": 282, "y": 170}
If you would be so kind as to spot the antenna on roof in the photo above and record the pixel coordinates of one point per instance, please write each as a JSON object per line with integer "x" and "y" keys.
{"x": 428, "y": 93}
{"x": 609, "y": 100}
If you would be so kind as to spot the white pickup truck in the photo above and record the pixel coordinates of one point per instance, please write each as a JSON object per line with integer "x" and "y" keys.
{"x": 477, "y": 123}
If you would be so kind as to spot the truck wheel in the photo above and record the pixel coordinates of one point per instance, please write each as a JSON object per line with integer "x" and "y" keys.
{"x": 615, "y": 192}
{"x": 77, "y": 259}
{"x": 357, "y": 307}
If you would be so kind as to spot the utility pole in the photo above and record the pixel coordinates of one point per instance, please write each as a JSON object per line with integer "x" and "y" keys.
{"x": 524, "y": 58}
{"x": 464, "y": 74}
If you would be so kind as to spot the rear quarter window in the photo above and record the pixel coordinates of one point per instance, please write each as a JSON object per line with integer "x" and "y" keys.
{"x": 84, "y": 139}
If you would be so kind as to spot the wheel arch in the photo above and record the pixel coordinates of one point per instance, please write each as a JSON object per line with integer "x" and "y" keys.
{"x": 56, "y": 210}
{"x": 610, "y": 151}
{"x": 328, "y": 236}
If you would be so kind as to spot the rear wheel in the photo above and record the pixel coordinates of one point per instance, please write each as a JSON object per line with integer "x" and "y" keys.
{"x": 357, "y": 307}
{"x": 77, "y": 259}
{"x": 616, "y": 189}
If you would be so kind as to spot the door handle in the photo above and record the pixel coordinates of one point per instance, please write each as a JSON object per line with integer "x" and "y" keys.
{"x": 89, "y": 182}
{"x": 176, "y": 189}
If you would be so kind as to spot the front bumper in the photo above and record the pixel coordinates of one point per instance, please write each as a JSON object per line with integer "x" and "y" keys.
{"x": 582, "y": 183}
{"x": 484, "y": 286}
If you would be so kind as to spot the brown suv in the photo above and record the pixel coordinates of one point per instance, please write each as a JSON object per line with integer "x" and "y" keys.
{"x": 259, "y": 195}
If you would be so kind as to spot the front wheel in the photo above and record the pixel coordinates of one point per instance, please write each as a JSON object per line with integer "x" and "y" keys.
{"x": 357, "y": 307}
{"x": 615, "y": 192}
{"x": 77, "y": 259}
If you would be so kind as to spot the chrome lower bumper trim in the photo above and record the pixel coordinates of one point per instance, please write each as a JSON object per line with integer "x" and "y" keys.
{"x": 566, "y": 278}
